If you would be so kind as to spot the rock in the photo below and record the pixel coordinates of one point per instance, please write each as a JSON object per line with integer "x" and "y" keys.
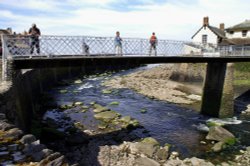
{"x": 48, "y": 159}
{"x": 143, "y": 148}
{"x": 13, "y": 147}
{"x": 34, "y": 147}
{"x": 150, "y": 140}
{"x": 106, "y": 91}
{"x": 5, "y": 126}
{"x": 77, "y": 138}
{"x": 194, "y": 97}
{"x": 174, "y": 162}
{"x": 14, "y": 133}
{"x": 174, "y": 155}
{"x": 99, "y": 108}
{"x": 2, "y": 116}
{"x": 107, "y": 115}
{"x": 114, "y": 103}
{"x": 218, "y": 133}
{"x": 144, "y": 161}
{"x": 162, "y": 154}
{"x": 218, "y": 146}
{"x": 78, "y": 103}
{"x": 18, "y": 157}
{"x": 126, "y": 119}
{"x": 4, "y": 154}
{"x": 38, "y": 156}
{"x": 28, "y": 139}
{"x": 196, "y": 162}
{"x": 78, "y": 81}
{"x": 143, "y": 111}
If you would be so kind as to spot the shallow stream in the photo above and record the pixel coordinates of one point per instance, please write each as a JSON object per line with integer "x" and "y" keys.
{"x": 166, "y": 122}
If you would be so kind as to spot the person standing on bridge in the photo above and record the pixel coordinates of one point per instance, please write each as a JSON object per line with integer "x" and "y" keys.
{"x": 153, "y": 43}
{"x": 34, "y": 32}
{"x": 118, "y": 44}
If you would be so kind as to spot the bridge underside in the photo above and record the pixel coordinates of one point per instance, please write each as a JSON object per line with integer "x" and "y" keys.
{"x": 106, "y": 60}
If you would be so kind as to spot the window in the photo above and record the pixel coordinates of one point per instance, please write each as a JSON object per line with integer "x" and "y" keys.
{"x": 231, "y": 32}
{"x": 244, "y": 33}
{"x": 204, "y": 39}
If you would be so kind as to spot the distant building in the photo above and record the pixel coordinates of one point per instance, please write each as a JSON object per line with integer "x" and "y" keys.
{"x": 238, "y": 34}
{"x": 209, "y": 34}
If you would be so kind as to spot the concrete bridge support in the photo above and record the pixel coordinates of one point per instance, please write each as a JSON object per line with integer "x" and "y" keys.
{"x": 218, "y": 96}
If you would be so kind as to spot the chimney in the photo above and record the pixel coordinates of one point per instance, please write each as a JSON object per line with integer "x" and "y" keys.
{"x": 205, "y": 21}
{"x": 222, "y": 26}
{"x": 9, "y": 30}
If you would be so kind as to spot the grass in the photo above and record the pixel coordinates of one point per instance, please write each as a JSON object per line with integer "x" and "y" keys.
{"x": 242, "y": 73}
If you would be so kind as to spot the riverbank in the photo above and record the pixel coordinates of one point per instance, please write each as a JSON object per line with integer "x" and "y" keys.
{"x": 156, "y": 83}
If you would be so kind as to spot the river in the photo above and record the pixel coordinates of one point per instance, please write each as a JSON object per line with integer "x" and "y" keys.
{"x": 166, "y": 122}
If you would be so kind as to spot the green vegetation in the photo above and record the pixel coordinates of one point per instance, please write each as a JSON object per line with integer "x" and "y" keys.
{"x": 242, "y": 73}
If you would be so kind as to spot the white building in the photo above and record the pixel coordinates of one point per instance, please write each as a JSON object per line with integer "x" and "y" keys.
{"x": 205, "y": 39}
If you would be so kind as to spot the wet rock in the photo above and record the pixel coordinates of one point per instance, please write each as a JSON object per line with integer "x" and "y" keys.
{"x": 38, "y": 156}
{"x": 76, "y": 139}
{"x": 34, "y": 147}
{"x": 2, "y": 116}
{"x": 106, "y": 116}
{"x": 162, "y": 154}
{"x": 174, "y": 155}
{"x": 144, "y": 161}
{"x": 78, "y": 103}
{"x": 4, "y": 154}
{"x": 18, "y": 157}
{"x": 14, "y": 134}
{"x": 99, "y": 108}
{"x": 28, "y": 139}
{"x": 196, "y": 162}
{"x": 6, "y": 126}
{"x": 13, "y": 147}
{"x": 218, "y": 146}
{"x": 143, "y": 148}
{"x": 52, "y": 160}
{"x": 218, "y": 133}
{"x": 126, "y": 119}
{"x": 194, "y": 97}
{"x": 150, "y": 140}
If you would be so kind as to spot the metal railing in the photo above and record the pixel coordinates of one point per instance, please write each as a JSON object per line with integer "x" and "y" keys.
{"x": 20, "y": 46}
{"x": 16, "y": 46}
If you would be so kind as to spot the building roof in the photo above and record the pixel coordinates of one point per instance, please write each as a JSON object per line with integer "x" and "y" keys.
{"x": 4, "y": 31}
{"x": 236, "y": 41}
{"x": 215, "y": 30}
{"x": 242, "y": 26}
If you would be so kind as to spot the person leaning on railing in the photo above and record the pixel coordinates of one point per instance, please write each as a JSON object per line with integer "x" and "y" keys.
{"x": 118, "y": 44}
{"x": 34, "y": 32}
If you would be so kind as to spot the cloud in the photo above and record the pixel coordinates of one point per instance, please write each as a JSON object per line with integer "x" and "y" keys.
{"x": 169, "y": 19}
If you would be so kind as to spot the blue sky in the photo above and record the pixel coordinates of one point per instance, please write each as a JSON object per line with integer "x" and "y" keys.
{"x": 170, "y": 19}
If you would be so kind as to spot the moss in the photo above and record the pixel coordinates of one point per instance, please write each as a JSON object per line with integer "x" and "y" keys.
{"x": 106, "y": 91}
{"x": 143, "y": 111}
{"x": 63, "y": 91}
{"x": 230, "y": 141}
{"x": 211, "y": 124}
{"x": 114, "y": 103}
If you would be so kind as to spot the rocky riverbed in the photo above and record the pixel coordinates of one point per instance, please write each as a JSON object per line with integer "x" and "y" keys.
{"x": 155, "y": 83}
{"x": 104, "y": 137}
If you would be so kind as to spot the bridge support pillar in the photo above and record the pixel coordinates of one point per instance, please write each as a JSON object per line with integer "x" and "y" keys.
{"x": 218, "y": 96}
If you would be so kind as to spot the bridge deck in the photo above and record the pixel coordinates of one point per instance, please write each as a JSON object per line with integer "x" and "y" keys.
{"x": 69, "y": 60}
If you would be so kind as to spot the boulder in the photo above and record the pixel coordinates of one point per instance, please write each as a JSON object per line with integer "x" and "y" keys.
{"x": 143, "y": 148}
{"x": 5, "y": 126}
{"x": 14, "y": 134}
{"x": 218, "y": 133}
{"x": 162, "y": 154}
{"x": 144, "y": 161}
{"x": 150, "y": 140}
{"x": 106, "y": 116}
{"x": 28, "y": 139}
{"x": 218, "y": 146}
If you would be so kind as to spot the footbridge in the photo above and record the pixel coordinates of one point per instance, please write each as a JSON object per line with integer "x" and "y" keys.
{"x": 62, "y": 51}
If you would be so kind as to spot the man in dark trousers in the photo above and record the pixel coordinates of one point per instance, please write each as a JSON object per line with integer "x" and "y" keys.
{"x": 34, "y": 32}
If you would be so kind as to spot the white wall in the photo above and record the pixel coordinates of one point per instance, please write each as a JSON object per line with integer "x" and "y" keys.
{"x": 191, "y": 50}
{"x": 237, "y": 34}
{"x": 211, "y": 37}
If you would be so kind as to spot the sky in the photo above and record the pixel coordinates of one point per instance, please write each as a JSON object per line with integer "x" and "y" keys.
{"x": 169, "y": 19}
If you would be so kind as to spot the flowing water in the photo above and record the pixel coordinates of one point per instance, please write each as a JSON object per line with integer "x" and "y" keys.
{"x": 166, "y": 122}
